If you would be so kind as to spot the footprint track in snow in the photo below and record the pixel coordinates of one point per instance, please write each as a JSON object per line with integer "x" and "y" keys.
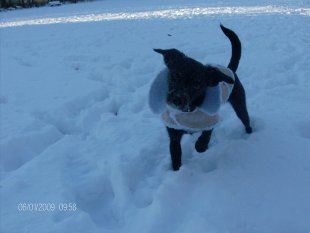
{"x": 20, "y": 150}
{"x": 88, "y": 184}
{"x": 77, "y": 115}
{"x": 139, "y": 175}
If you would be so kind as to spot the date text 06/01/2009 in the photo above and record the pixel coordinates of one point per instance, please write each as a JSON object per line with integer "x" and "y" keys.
{"x": 46, "y": 207}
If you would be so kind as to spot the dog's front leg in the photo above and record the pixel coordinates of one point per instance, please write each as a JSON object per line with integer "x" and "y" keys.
{"x": 202, "y": 142}
{"x": 175, "y": 147}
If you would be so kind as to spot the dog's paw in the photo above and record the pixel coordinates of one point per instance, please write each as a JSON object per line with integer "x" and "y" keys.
{"x": 175, "y": 167}
{"x": 248, "y": 129}
{"x": 201, "y": 147}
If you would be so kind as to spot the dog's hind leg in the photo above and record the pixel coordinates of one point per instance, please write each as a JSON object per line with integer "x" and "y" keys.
{"x": 202, "y": 142}
{"x": 237, "y": 100}
{"x": 175, "y": 147}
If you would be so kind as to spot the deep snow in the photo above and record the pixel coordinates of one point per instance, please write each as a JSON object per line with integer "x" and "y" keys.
{"x": 76, "y": 127}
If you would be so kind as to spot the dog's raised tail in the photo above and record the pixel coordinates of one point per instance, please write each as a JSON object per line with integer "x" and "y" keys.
{"x": 235, "y": 48}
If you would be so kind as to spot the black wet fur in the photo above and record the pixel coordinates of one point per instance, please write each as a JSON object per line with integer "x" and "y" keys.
{"x": 187, "y": 83}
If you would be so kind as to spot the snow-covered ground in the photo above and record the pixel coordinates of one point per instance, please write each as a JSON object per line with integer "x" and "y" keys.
{"x": 77, "y": 133}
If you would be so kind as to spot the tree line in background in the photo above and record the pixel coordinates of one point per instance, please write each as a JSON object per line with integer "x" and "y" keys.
{"x": 30, "y": 3}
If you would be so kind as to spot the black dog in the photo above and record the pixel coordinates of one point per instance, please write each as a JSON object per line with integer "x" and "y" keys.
{"x": 188, "y": 82}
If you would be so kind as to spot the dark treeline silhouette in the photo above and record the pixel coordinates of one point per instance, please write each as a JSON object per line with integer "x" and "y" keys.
{"x": 5, "y": 4}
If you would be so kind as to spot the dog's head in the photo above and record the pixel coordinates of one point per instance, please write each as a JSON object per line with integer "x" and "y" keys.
{"x": 188, "y": 79}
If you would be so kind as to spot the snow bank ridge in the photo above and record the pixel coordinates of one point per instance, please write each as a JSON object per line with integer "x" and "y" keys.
{"x": 168, "y": 13}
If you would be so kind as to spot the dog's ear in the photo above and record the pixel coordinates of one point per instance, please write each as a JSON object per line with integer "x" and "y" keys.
{"x": 170, "y": 53}
{"x": 160, "y": 51}
{"x": 214, "y": 76}
{"x": 172, "y": 57}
